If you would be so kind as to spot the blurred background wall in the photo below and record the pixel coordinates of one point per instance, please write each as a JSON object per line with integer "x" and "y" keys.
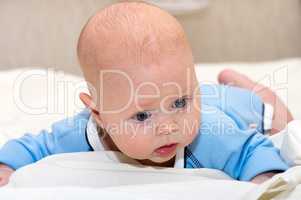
{"x": 43, "y": 33}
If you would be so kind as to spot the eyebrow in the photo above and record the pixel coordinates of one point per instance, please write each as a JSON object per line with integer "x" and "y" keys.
{"x": 146, "y": 102}
{"x": 149, "y": 102}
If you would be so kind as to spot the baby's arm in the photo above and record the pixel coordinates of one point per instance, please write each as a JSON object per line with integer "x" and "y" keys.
{"x": 281, "y": 116}
{"x": 65, "y": 136}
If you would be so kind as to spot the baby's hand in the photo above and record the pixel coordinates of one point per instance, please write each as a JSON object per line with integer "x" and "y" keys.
{"x": 5, "y": 173}
{"x": 263, "y": 177}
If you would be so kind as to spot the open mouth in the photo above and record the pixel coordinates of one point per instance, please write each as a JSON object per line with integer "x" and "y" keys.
{"x": 166, "y": 150}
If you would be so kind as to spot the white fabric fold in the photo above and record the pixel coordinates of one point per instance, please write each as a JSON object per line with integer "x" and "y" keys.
{"x": 291, "y": 144}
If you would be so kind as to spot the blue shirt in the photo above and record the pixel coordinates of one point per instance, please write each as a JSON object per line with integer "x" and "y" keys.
{"x": 224, "y": 141}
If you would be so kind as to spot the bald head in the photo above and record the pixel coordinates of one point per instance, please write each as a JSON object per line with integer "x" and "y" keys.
{"x": 134, "y": 32}
{"x": 128, "y": 34}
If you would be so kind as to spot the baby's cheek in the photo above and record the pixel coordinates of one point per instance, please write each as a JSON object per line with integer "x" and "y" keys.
{"x": 140, "y": 149}
{"x": 135, "y": 144}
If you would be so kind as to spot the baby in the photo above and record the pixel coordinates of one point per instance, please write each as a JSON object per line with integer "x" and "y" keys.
{"x": 145, "y": 101}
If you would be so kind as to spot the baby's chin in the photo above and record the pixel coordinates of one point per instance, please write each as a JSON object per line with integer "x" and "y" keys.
{"x": 160, "y": 160}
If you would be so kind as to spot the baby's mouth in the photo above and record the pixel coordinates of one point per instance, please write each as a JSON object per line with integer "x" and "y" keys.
{"x": 166, "y": 150}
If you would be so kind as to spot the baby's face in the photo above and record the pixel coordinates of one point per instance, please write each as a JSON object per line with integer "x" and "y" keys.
{"x": 146, "y": 107}
{"x": 146, "y": 95}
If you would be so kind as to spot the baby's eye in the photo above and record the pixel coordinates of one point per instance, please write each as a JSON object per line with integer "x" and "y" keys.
{"x": 142, "y": 116}
{"x": 180, "y": 103}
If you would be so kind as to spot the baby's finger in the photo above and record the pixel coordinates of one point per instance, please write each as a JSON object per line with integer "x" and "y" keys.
{"x": 3, "y": 181}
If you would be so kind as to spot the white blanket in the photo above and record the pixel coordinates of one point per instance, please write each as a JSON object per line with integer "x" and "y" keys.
{"x": 98, "y": 175}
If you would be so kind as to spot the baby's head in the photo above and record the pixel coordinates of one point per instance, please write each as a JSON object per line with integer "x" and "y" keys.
{"x": 143, "y": 89}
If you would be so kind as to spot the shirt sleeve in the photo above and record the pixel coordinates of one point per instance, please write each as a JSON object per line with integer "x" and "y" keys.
{"x": 245, "y": 107}
{"x": 68, "y": 135}
{"x": 222, "y": 145}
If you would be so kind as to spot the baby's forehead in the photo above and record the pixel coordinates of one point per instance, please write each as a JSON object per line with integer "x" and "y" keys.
{"x": 125, "y": 95}
{"x": 119, "y": 88}
{"x": 123, "y": 90}
{"x": 154, "y": 77}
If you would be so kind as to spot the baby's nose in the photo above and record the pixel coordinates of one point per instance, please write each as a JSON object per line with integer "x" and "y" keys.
{"x": 167, "y": 128}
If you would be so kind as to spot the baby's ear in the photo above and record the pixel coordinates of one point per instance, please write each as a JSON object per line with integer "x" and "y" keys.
{"x": 87, "y": 100}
